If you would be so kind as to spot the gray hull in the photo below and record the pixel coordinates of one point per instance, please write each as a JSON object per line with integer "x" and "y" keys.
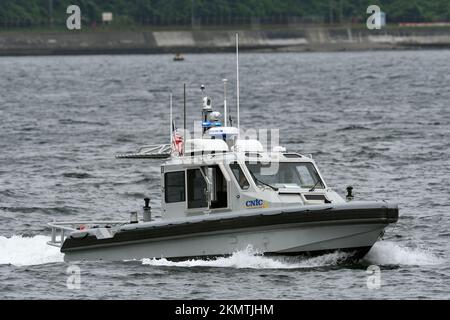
{"x": 293, "y": 231}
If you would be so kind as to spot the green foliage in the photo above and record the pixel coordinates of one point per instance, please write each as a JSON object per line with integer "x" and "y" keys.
{"x": 135, "y": 11}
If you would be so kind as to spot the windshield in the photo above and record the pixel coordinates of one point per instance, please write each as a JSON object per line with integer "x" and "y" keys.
{"x": 289, "y": 174}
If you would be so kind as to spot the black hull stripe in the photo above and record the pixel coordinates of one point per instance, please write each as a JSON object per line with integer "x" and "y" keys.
{"x": 376, "y": 215}
{"x": 354, "y": 253}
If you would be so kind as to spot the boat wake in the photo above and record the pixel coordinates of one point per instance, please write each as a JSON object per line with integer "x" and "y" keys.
{"x": 26, "y": 251}
{"x": 251, "y": 259}
{"x": 383, "y": 253}
{"x": 390, "y": 253}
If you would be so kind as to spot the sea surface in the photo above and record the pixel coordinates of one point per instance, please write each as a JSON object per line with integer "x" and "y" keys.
{"x": 379, "y": 121}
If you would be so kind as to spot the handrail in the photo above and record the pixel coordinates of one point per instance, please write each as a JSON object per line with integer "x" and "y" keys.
{"x": 156, "y": 151}
{"x": 161, "y": 148}
{"x": 62, "y": 223}
{"x": 65, "y": 227}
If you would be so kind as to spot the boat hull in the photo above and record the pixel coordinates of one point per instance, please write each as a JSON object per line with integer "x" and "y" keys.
{"x": 295, "y": 231}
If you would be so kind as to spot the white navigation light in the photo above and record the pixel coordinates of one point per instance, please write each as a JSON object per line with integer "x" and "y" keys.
{"x": 214, "y": 116}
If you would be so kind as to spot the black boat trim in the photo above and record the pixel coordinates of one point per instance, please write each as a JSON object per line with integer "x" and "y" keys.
{"x": 352, "y": 254}
{"x": 379, "y": 214}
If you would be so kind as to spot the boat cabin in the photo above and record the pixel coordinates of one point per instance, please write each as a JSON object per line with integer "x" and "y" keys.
{"x": 223, "y": 180}
{"x": 218, "y": 172}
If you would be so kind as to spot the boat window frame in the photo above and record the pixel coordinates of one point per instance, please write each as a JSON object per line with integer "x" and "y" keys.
{"x": 195, "y": 209}
{"x": 322, "y": 182}
{"x": 225, "y": 182}
{"x": 183, "y": 198}
{"x": 207, "y": 208}
{"x": 241, "y": 172}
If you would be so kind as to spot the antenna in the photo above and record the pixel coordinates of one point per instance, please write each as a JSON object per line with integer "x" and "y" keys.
{"x": 237, "y": 79}
{"x": 171, "y": 119}
{"x": 184, "y": 117}
{"x": 225, "y": 101}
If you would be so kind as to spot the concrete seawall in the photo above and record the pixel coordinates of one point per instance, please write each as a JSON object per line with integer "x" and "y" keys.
{"x": 288, "y": 39}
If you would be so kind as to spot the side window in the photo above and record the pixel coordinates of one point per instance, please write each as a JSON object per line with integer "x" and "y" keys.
{"x": 239, "y": 175}
{"x": 174, "y": 187}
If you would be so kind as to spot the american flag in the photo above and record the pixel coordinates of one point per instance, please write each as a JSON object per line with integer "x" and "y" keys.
{"x": 177, "y": 141}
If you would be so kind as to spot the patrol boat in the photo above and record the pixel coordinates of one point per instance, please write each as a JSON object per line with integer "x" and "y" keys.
{"x": 222, "y": 193}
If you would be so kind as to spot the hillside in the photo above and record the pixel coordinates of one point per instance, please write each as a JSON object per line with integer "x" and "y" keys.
{"x": 39, "y": 13}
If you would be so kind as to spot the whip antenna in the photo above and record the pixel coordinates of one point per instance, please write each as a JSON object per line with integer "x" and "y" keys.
{"x": 237, "y": 79}
{"x": 171, "y": 119}
{"x": 184, "y": 118}
{"x": 225, "y": 101}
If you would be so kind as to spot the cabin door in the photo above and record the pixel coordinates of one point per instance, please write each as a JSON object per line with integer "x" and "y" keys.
{"x": 206, "y": 188}
{"x": 218, "y": 187}
{"x": 197, "y": 190}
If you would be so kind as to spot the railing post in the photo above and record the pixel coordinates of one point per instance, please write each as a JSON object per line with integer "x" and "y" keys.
{"x": 62, "y": 236}
{"x": 53, "y": 234}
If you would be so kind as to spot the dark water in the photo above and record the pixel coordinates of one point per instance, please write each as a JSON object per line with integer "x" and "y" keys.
{"x": 376, "y": 120}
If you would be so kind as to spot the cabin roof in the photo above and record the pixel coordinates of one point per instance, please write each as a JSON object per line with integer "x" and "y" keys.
{"x": 206, "y": 145}
{"x": 228, "y": 157}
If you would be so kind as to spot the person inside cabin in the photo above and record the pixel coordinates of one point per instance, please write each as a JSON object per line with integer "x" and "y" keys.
{"x": 243, "y": 181}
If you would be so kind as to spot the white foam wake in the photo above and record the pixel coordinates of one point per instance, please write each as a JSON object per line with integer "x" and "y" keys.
{"x": 24, "y": 251}
{"x": 390, "y": 253}
{"x": 249, "y": 258}
{"x": 382, "y": 253}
